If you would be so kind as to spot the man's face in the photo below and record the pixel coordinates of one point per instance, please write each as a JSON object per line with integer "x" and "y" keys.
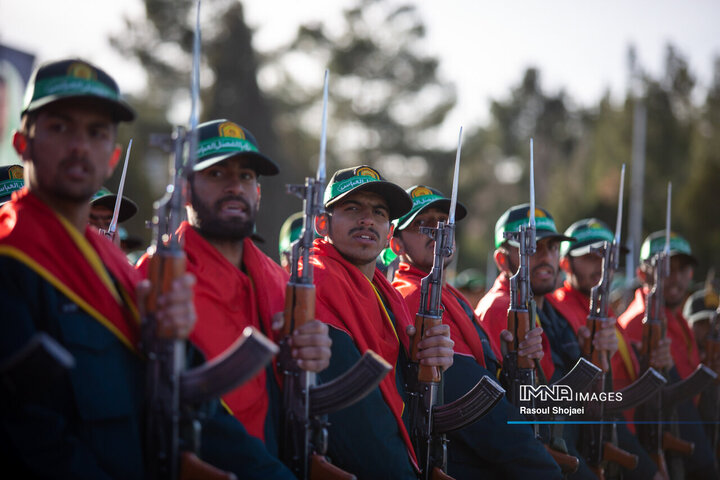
{"x": 585, "y": 271}
{"x": 419, "y": 248}
{"x": 544, "y": 265}
{"x": 359, "y": 226}
{"x": 676, "y": 285}
{"x": 69, "y": 150}
{"x": 100, "y": 217}
{"x": 224, "y": 200}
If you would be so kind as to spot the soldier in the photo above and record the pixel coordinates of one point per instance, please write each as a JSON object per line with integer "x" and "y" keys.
{"x": 238, "y": 285}
{"x": 489, "y": 448}
{"x": 685, "y": 356}
{"x": 365, "y": 312}
{"x": 560, "y": 342}
{"x": 583, "y": 270}
{"x": 60, "y": 276}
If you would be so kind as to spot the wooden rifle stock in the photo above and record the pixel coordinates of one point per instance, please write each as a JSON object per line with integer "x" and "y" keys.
{"x": 567, "y": 463}
{"x": 422, "y": 324}
{"x": 599, "y": 358}
{"x": 671, "y": 443}
{"x": 651, "y": 336}
{"x": 299, "y": 306}
{"x": 438, "y": 474}
{"x": 192, "y": 468}
{"x": 163, "y": 269}
{"x": 613, "y": 453}
{"x": 321, "y": 469}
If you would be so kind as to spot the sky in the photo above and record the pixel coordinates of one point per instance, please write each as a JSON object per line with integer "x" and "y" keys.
{"x": 578, "y": 46}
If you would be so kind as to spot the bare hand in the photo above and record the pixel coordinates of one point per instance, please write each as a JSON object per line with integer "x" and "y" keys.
{"x": 175, "y": 309}
{"x": 311, "y": 346}
{"x": 661, "y": 357}
{"x": 531, "y": 347}
{"x": 436, "y": 348}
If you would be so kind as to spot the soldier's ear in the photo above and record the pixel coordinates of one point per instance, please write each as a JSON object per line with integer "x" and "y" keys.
{"x": 565, "y": 264}
{"x": 115, "y": 157}
{"x": 501, "y": 260}
{"x": 397, "y": 246}
{"x": 19, "y": 142}
{"x": 322, "y": 227}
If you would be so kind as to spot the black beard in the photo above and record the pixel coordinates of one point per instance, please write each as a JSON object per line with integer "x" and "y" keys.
{"x": 211, "y": 227}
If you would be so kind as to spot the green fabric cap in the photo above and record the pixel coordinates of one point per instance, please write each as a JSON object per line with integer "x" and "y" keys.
{"x": 519, "y": 215}
{"x": 655, "y": 243}
{"x": 423, "y": 197}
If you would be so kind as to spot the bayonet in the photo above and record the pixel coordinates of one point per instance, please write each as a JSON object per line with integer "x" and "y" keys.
{"x": 118, "y": 200}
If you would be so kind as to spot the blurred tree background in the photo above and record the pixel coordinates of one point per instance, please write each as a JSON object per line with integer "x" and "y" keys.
{"x": 388, "y": 101}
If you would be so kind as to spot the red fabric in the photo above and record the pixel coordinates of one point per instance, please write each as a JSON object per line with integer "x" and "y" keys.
{"x": 347, "y": 301}
{"x": 682, "y": 347}
{"x": 29, "y": 226}
{"x": 462, "y": 331}
{"x": 575, "y": 307}
{"x": 228, "y": 300}
{"x": 492, "y": 311}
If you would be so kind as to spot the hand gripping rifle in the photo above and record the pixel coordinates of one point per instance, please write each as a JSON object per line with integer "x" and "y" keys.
{"x": 519, "y": 370}
{"x": 600, "y": 441}
{"x": 172, "y": 433}
{"x": 654, "y": 436}
{"x": 429, "y": 419}
{"x": 305, "y": 404}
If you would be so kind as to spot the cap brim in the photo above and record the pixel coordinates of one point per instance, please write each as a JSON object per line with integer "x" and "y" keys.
{"x": 398, "y": 200}
{"x": 585, "y": 249}
{"x": 120, "y": 110}
{"x": 128, "y": 208}
{"x": 440, "y": 204}
{"x": 690, "y": 258}
{"x": 256, "y": 161}
{"x": 542, "y": 234}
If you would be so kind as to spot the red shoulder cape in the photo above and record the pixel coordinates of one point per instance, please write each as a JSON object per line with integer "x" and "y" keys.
{"x": 462, "y": 331}
{"x": 75, "y": 263}
{"x": 228, "y": 300}
{"x": 347, "y": 300}
{"x": 492, "y": 311}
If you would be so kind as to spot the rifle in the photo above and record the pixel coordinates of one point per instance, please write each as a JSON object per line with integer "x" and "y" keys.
{"x": 600, "y": 441}
{"x": 429, "y": 420}
{"x": 42, "y": 356}
{"x": 110, "y": 232}
{"x": 171, "y": 391}
{"x": 519, "y": 370}
{"x": 654, "y": 437}
{"x": 305, "y": 404}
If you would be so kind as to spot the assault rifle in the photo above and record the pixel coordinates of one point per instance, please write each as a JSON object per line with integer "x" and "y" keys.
{"x": 519, "y": 370}
{"x": 599, "y": 441}
{"x": 712, "y": 358}
{"x": 429, "y": 419}
{"x": 172, "y": 432}
{"x": 654, "y": 436}
{"x": 30, "y": 371}
{"x": 305, "y": 404}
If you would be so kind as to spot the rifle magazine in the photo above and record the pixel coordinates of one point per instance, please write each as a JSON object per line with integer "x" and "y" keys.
{"x": 638, "y": 392}
{"x": 688, "y": 388}
{"x": 467, "y": 409}
{"x": 238, "y": 364}
{"x": 350, "y": 387}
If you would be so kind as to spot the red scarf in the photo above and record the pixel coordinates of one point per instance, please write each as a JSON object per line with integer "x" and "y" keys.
{"x": 75, "y": 263}
{"x": 682, "y": 347}
{"x": 228, "y": 300}
{"x": 492, "y": 310}
{"x": 347, "y": 300}
{"x": 462, "y": 331}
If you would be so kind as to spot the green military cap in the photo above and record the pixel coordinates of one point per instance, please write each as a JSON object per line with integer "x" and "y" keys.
{"x": 425, "y": 197}
{"x": 655, "y": 242}
{"x": 105, "y": 198}
{"x": 12, "y": 179}
{"x": 74, "y": 78}
{"x": 290, "y": 231}
{"x": 364, "y": 178}
{"x": 219, "y": 140}
{"x": 515, "y": 217}
{"x": 701, "y": 305}
{"x": 588, "y": 233}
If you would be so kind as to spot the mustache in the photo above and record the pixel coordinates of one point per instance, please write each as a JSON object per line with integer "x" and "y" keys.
{"x": 365, "y": 229}
{"x": 232, "y": 198}
{"x": 77, "y": 159}
{"x": 543, "y": 265}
